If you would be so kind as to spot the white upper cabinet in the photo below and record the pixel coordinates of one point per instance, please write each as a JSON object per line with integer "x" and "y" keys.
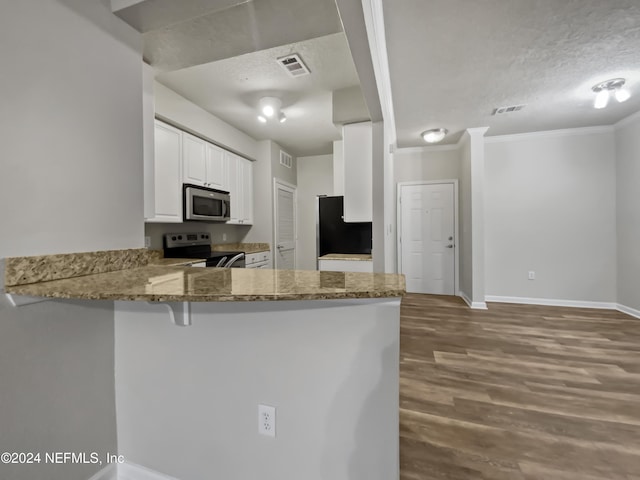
{"x": 217, "y": 166}
{"x": 247, "y": 190}
{"x": 240, "y": 188}
{"x": 179, "y": 158}
{"x": 194, "y": 157}
{"x": 205, "y": 164}
{"x": 167, "y": 173}
{"x": 358, "y": 167}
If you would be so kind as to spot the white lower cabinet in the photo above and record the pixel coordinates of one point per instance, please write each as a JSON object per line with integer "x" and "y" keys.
{"x": 365, "y": 266}
{"x": 167, "y": 175}
{"x": 258, "y": 260}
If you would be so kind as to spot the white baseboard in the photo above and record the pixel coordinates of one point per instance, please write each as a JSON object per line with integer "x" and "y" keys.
{"x": 628, "y": 310}
{"x": 473, "y": 305}
{"x": 552, "y": 302}
{"x": 110, "y": 472}
{"x": 129, "y": 471}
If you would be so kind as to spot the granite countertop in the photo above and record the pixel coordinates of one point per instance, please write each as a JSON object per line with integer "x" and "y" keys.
{"x": 156, "y": 283}
{"x": 241, "y": 247}
{"x": 175, "y": 262}
{"x": 361, "y": 257}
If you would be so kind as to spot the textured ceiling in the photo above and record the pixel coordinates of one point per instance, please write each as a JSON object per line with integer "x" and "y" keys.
{"x": 453, "y": 61}
{"x": 231, "y": 88}
{"x": 230, "y": 28}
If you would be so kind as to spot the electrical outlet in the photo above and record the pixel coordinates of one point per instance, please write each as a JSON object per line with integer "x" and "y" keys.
{"x": 267, "y": 420}
{"x": 224, "y": 237}
{"x": 532, "y": 275}
{"x": 147, "y": 242}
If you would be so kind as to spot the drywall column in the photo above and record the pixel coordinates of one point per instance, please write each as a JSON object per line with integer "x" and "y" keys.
{"x": 70, "y": 180}
{"x": 378, "y": 200}
{"x": 628, "y": 213}
{"x": 472, "y": 217}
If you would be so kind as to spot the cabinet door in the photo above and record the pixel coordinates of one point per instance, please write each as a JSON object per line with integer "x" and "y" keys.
{"x": 358, "y": 159}
{"x": 247, "y": 191}
{"x": 194, "y": 157}
{"x": 346, "y": 266}
{"x": 167, "y": 174}
{"x": 235, "y": 188}
{"x": 216, "y": 167}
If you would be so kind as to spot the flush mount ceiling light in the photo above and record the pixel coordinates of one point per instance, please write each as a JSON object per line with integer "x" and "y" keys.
{"x": 434, "y": 135}
{"x": 604, "y": 90}
{"x": 270, "y": 108}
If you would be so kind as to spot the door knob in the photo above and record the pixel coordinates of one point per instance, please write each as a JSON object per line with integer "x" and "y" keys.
{"x": 280, "y": 247}
{"x": 449, "y": 246}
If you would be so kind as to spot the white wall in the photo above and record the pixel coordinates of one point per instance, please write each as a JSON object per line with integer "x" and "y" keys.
{"x": 70, "y": 181}
{"x": 71, "y": 125}
{"x": 627, "y": 147}
{"x": 550, "y": 208}
{"x": 187, "y": 398}
{"x": 315, "y": 177}
{"x": 179, "y": 111}
{"x": 429, "y": 163}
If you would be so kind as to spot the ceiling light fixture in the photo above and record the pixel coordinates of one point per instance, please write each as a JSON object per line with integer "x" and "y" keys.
{"x": 269, "y": 107}
{"x": 604, "y": 90}
{"x": 434, "y": 135}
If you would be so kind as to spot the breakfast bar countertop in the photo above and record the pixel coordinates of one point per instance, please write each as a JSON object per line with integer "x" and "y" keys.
{"x": 143, "y": 275}
{"x": 186, "y": 284}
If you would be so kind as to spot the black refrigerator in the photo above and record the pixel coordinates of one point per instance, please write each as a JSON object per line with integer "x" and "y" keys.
{"x": 337, "y": 236}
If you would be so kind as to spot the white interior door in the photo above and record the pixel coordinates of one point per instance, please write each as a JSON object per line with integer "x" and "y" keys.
{"x": 427, "y": 238}
{"x": 285, "y": 226}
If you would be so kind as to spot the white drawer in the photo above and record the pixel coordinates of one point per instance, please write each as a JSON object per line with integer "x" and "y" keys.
{"x": 259, "y": 265}
{"x": 258, "y": 257}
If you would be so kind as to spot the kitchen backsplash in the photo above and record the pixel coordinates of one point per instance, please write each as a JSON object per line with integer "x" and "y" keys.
{"x": 234, "y": 233}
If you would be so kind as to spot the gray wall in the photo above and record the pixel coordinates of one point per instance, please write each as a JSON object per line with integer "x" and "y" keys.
{"x": 550, "y": 208}
{"x": 315, "y": 177}
{"x": 70, "y": 180}
{"x": 188, "y": 406}
{"x": 628, "y": 212}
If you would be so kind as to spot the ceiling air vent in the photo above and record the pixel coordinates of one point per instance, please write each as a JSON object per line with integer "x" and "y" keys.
{"x": 509, "y": 109}
{"x": 294, "y": 65}
{"x": 286, "y": 159}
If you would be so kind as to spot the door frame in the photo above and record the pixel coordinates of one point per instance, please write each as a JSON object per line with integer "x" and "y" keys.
{"x": 456, "y": 225}
{"x": 294, "y": 189}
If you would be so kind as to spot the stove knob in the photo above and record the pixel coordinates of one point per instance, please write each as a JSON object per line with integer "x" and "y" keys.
{"x": 173, "y": 238}
{"x": 179, "y": 237}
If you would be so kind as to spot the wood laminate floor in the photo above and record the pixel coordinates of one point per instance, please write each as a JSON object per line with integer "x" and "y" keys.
{"x": 518, "y": 392}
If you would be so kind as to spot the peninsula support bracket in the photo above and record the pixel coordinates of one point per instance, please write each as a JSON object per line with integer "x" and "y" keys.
{"x": 179, "y": 312}
{"x": 21, "y": 300}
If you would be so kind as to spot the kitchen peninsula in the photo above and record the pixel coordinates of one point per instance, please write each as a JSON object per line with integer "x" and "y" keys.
{"x": 327, "y": 358}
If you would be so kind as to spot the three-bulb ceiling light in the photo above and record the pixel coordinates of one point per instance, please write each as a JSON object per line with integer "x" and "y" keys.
{"x": 270, "y": 108}
{"x": 434, "y": 135}
{"x": 604, "y": 90}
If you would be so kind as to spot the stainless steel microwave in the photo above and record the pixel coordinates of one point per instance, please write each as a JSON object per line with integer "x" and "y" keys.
{"x": 205, "y": 204}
